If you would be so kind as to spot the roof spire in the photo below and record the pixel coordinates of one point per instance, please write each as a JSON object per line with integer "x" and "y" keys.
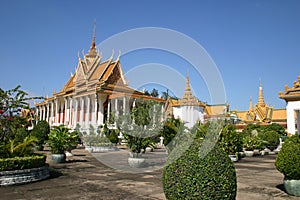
{"x": 261, "y": 101}
{"x": 94, "y": 36}
{"x": 251, "y": 104}
{"x": 93, "y": 51}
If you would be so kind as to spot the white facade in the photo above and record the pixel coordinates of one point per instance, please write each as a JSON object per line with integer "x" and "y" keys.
{"x": 190, "y": 115}
{"x": 292, "y": 110}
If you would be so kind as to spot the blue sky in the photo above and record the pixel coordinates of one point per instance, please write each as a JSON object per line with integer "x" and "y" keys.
{"x": 247, "y": 40}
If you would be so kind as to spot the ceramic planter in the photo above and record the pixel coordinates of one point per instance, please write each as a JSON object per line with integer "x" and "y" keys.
{"x": 292, "y": 186}
{"x": 136, "y": 162}
{"x": 58, "y": 158}
{"x": 249, "y": 153}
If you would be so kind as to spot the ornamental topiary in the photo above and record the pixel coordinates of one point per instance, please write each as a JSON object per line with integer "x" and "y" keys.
{"x": 288, "y": 159}
{"x": 194, "y": 177}
{"x": 271, "y": 139}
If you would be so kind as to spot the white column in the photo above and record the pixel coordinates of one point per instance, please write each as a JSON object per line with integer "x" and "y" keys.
{"x": 290, "y": 118}
{"x": 52, "y": 114}
{"x": 56, "y": 112}
{"x": 44, "y": 112}
{"x": 61, "y": 120}
{"x": 75, "y": 112}
{"x": 66, "y": 116}
{"x": 95, "y": 113}
{"x": 70, "y": 114}
{"x": 87, "y": 114}
{"x": 116, "y": 111}
{"x": 108, "y": 111}
{"x": 100, "y": 111}
{"x": 81, "y": 111}
{"x": 48, "y": 112}
{"x": 124, "y": 105}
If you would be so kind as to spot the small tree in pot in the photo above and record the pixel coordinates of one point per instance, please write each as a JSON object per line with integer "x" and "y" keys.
{"x": 60, "y": 139}
{"x": 288, "y": 163}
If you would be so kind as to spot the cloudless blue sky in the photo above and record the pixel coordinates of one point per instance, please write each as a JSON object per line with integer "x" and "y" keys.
{"x": 248, "y": 41}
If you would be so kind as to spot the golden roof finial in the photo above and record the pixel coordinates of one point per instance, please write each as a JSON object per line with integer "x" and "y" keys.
{"x": 261, "y": 101}
{"x": 251, "y": 104}
{"x": 94, "y": 36}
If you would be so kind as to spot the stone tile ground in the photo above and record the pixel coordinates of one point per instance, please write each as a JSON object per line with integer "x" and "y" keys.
{"x": 84, "y": 177}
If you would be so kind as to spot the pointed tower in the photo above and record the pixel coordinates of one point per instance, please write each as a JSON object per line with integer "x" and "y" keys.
{"x": 188, "y": 97}
{"x": 251, "y": 104}
{"x": 93, "y": 51}
{"x": 261, "y": 101}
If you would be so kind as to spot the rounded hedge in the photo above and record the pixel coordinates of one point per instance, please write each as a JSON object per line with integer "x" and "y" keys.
{"x": 288, "y": 158}
{"x": 271, "y": 138}
{"x": 192, "y": 177}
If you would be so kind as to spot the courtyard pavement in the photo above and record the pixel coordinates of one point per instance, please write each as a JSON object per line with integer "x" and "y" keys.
{"x": 83, "y": 176}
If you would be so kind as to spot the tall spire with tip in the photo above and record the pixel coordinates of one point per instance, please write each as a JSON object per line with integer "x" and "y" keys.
{"x": 93, "y": 51}
{"x": 251, "y": 105}
{"x": 261, "y": 101}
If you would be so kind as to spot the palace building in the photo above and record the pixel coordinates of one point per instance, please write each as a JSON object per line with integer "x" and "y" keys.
{"x": 262, "y": 113}
{"x": 96, "y": 90}
{"x": 189, "y": 109}
{"x": 292, "y": 99}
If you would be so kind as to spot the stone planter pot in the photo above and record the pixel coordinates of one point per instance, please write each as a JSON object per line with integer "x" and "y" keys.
{"x": 233, "y": 158}
{"x": 58, "y": 158}
{"x": 23, "y": 176}
{"x": 101, "y": 149}
{"x": 249, "y": 153}
{"x": 136, "y": 162}
{"x": 292, "y": 186}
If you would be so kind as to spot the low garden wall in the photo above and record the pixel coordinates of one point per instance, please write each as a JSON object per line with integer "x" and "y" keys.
{"x": 23, "y": 176}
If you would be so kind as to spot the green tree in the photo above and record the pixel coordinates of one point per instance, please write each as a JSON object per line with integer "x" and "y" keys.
{"x": 41, "y": 131}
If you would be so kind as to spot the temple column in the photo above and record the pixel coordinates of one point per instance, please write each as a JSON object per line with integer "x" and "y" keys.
{"x": 298, "y": 120}
{"x": 81, "y": 111}
{"x": 48, "y": 112}
{"x": 108, "y": 111}
{"x": 290, "y": 119}
{"x": 75, "y": 112}
{"x": 124, "y": 105}
{"x": 52, "y": 113}
{"x": 94, "y": 114}
{"x": 56, "y": 112}
{"x": 100, "y": 111}
{"x": 116, "y": 109}
{"x": 87, "y": 114}
{"x": 66, "y": 116}
{"x": 70, "y": 115}
{"x": 61, "y": 118}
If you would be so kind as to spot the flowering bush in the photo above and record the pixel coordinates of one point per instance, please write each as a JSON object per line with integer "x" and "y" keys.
{"x": 13, "y": 126}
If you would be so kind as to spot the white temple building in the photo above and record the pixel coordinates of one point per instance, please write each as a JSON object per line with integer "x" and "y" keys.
{"x": 292, "y": 99}
{"x": 188, "y": 109}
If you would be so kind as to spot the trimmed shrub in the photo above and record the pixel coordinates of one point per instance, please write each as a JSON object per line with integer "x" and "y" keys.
{"x": 195, "y": 177}
{"x": 271, "y": 138}
{"x": 230, "y": 140}
{"x": 288, "y": 158}
{"x": 41, "y": 131}
{"x": 17, "y": 163}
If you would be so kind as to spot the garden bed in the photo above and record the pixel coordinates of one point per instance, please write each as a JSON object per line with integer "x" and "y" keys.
{"x": 23, "y": 176}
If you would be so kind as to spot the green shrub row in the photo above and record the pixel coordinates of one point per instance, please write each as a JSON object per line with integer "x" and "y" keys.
{"x": 18, "y": 163}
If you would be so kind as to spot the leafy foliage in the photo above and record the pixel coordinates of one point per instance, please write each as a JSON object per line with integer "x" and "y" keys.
{"x": 195, "y": 177}
{"x": 41, "y": 131}
{"x": 141, "y": 126}
{"x": 230, "y": 140}
{"x": 288, "y": 158}
{"x": 271, "y": 139}
{"x": 18, "y": 163}
{"x": 60, "y": 138}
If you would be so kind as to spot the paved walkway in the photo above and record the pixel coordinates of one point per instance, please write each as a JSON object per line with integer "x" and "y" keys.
{"x": 84, "y": 177}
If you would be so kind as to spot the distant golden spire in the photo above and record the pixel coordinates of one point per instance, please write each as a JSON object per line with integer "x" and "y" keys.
{"x": 187, "y": 86}
{"x": 261, "y": 101}
{"x": 251, "y": 105}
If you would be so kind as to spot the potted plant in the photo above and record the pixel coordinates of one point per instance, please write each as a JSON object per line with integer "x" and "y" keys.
{"x": 231, "y": 142}
{"x": 250, "y": 144}
{"x": 288, "y": 163}
{"x": 60, "y": 139}
{"x": 138, "y": 127}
